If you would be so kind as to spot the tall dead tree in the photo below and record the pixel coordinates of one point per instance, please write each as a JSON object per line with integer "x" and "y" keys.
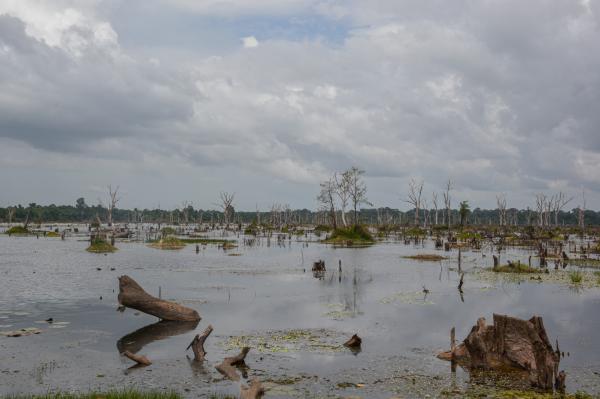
{"x": 343, "y": 184}
{"x": 415, "y": 191}
{"x": 448, "y": 202}
{"x": 357, "y": 190}
{"x": 435, "y": 207}
{"x": 11, "y": 213}
{"x": 581, "y": 212}
{"x": 560, "y": 202}
{"x": 113, "y": 199}
{"x": 501, "y": 202}
{"x": 540, "y": 205}
{"x": 226, "y": 205}
{"x": 327, "y": 201}
{"x": 185, "y": 211}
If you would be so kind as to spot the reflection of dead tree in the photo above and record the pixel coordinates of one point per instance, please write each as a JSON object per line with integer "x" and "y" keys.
{"x": 133, "y": 296}
{"x": 141, "y": 360}
{"x": 447, "y": 203}
{"x": 197, "y": 344}
{"x": 227, "y": 366}
{"x": 113, "y": 199}
{"x": 415, "y": 191}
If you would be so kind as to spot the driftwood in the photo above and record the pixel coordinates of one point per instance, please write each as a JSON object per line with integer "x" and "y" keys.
{"x": 226, "y": 367}
{"x": 255, "y": 390}
{"x": 197, "y": 344}
{"x": 141, "y": 360}
{"x": 133, "y": 296}
{"x": 509, "y": 342}
{"x": 353, "y": 342}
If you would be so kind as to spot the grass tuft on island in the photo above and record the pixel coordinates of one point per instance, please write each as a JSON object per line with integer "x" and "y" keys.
{"x": 99, "y": 246}
{"x": 516, "y": 268}
{"x": 352, "y": 236}
{"x": 168, "y": 243}
{"x": 125, "y": 394}
{"x": 17, "y": 230}
{"x": 426, "y": 257}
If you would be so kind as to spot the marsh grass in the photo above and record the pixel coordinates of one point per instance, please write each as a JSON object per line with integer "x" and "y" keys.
{"x": 122, "y": 394}
{"x": 516, "y": 268}
{"x": 350, "y": 236}
{"x": 98, "y": 245}
{"x": 17, "y": 230}
{"x": 426, "y": 257}
{"x": 168, "y": 243}
{"x": 576, "y": 277}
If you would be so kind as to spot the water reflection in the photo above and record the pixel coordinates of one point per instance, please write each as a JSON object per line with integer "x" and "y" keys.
{"x": 135, "y": 341}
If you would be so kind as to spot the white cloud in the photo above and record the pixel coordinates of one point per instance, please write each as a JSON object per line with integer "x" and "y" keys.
{"x": 250, "y": 42}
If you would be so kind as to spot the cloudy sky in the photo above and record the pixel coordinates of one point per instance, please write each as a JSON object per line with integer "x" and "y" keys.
{"x": 177, "y": 100}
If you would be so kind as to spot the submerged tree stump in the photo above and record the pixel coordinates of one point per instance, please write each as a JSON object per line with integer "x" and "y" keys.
{"x": 197, "y": 344}
{"x": 354, "y": 342}
{"x": 511, "y": 342}
{"x": 133, "y": 296}
{"x": 226, "y": 367}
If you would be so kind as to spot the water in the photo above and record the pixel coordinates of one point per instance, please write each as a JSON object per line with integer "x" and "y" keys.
{"x": 261, "y": 294}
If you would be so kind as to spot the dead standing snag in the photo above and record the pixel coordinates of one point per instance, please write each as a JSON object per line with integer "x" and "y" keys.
{"x": 197, "y": 344}
{"x": 133, "y": 296}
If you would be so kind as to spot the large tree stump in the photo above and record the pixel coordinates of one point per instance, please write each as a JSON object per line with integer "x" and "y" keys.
{"x": 226, "y": 367}
{"x": 133, "y": 296}
{"x": 197, "y": 344}
{"x": 511, "y": 342}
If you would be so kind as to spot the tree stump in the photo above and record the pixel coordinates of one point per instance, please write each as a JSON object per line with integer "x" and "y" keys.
{"x": 226, "y": 367}
{"x": 255, "y": 390}
{"x": 197, "y": 344}
{"x": 512, "y": 342}
{"x": 133, "y": 296}
{"x": 353, "y": 342}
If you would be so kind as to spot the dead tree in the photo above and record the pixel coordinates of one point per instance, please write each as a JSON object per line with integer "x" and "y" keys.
{"x": 540, "y": 204}
{"x": 227, "y": 366}
{"x": 581, "y": 213}
{"x": 226, "y": 205}
{"x": 559, "y": 203}
{"x": 415, "y": 190}
{"x": 133, "y": 296}
{"x": 510, "y": 342}
{"x": 113, "y": 199}
{"x": 327, "y": 201}
{"x": 501, "y": 202}
{"x": 11, "y": 213}
{"x": 357, "y": 190}
{"x": 343, "y": 184}
{"x": 448, "y": 203}
{"x": 197, "y": 344}
{"x": 435, "y": 207}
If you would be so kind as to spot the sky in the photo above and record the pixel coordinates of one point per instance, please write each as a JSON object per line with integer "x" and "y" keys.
{"x": 178, "y": 100}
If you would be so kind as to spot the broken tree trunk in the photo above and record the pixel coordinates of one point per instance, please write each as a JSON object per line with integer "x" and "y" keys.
{"x": 133, "y": 296}
{"x": 512, "y": 342}
{"x": 139, "y": 359}
{"x": 197, "y": 344}
{"x": 353, "y": 342}
{"x": 226, "y": 367}
{"x": 255, "y": 390}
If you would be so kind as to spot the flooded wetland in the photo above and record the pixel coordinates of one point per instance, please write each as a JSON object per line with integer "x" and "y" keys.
{"x": 60, "y": 329}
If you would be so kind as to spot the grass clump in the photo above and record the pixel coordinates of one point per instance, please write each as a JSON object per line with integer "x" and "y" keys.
{"x": 205, "y": 241}
{"x": 168, "y": 243}
{"x": 125, "y": 394}
{"x": 516, "y": 268}
{"x": 356, "y": 234}
{"x": 426, "y": 257}
{"x": 100, "y": 246}
{"x": 576, "y": 277}
{"x": 17, "y": 230}
{"x": 52, "y": 234}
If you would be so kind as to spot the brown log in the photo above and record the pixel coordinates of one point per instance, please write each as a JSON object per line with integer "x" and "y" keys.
{"x": 255, "y": 390}
{"x": 139, "y": 359}
{"x": 512, "y": 342}
{"x": 197, "y": 344}
{"x": 133, "y": 296}
{"x": 226, "y": 367}
{"x": 353, "y": 342}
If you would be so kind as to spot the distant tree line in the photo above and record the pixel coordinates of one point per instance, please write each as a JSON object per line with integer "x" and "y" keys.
{"x": 280, "y": 215}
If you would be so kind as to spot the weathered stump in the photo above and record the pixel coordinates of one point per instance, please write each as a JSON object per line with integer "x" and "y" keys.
{"x": 133, "y": 296}
{"x": 512, "y": 342}
{"x": 197, "y": 344}
{"x": 353, "y": 342}
{"x": 226, "y": 367}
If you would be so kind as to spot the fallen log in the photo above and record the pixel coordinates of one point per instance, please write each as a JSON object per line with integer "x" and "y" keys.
{"x": 226, "y": 367}
{"x": 510, "y": 342}
{"x": 255, "y": 390}
{"x": 141, "y": 360}
{"x": 197, "y": 344}
{"x": 133, "y": 296}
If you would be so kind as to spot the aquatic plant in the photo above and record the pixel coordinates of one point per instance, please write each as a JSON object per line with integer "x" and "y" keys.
{"x": 576, "y": 277}
{"x": 356, "y": 234}
{"x": 168, "y": 243}
{"x": 17, "y": 230}
{"x": 98, "y": 245}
